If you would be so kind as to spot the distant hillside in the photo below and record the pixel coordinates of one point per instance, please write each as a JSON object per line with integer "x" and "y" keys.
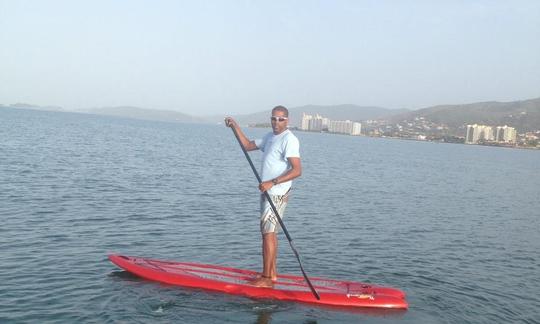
{"x": 147, "y": 114}
{"x": 33, "y": 107}
{"x": 522, "y": 115}
{"x": 336, "y": 112}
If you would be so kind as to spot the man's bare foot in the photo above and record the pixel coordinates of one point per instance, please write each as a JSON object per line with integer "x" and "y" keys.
{"x": 262, "y": 281}
{"x": 274, "y": 278}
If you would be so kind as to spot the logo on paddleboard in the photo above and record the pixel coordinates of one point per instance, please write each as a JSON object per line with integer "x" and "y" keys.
{"x": 362, "y": 296}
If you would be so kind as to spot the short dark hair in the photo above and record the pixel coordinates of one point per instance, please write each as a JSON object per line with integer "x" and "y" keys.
{"x": 282, "y": 109}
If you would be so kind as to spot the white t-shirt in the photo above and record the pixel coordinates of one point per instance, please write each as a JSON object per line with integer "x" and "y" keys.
{"x": 276, "y": 149}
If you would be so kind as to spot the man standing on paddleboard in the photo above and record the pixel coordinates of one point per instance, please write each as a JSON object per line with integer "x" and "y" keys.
{"x": 280, "y": 164}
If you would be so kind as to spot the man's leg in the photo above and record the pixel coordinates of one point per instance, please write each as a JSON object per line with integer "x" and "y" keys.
{"x": 269, "y": 252}
{"x": 269, "y": 227}
{"x": 270, "y": 255}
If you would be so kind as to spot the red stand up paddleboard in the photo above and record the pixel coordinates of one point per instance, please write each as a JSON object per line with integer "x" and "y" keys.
{"x": 287, "y": 287}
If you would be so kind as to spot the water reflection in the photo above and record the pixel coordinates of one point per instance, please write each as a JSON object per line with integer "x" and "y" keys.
{"x": 265, "y": 314}
{"x": 264, "y": 317}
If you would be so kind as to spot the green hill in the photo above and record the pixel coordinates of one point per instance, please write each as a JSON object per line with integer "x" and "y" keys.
{"x": 147, "y": 114}
{"x": 522, "y": 115}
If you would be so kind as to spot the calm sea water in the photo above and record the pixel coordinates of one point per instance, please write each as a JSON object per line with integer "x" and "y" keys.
{"x": 457, "y": 227}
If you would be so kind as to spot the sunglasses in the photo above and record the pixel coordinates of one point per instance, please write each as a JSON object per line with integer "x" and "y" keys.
{"x": 279, "y": 119}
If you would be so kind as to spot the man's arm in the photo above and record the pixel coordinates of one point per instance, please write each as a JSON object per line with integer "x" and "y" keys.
{"x": 248, "y": 144}
{"x": 294, "y": 172}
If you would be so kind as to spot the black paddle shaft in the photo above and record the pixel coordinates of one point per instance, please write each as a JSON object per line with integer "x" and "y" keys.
{"x": 277, "y": 215}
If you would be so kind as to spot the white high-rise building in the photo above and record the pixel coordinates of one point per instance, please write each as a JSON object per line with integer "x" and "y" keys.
{"x": 314, "y": 123}
{"x": 476, "y": 133}
{"x": 338, "y": 126}
{"x": 318, "y": 123}
{"x": 488, "y": 133}
{"x": 357, "y": 129}
{"x": 305, "y": 121}
{"x": 344, "y": 127}
{"x": 506, "y": 134}
{"x": 503, "y": 134}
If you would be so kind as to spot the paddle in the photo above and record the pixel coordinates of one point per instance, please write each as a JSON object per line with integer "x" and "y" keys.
{"x": 278, "y": 217}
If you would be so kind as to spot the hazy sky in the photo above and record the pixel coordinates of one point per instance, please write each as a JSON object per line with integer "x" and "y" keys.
{"x": 220, "y": 57}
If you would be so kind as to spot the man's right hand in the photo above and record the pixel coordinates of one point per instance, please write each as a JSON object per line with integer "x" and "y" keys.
{"x": 229, "y": 122}
{"x": 248, "y": 144}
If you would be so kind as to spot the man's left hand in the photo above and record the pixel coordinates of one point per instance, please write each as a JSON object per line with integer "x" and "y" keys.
{"x": 265, "y": 186}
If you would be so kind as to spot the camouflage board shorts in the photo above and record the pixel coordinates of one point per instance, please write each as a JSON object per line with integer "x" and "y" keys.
{"x": 269, "y": 222}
